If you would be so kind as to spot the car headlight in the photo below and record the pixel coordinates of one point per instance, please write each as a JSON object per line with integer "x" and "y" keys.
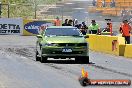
{"x": 50, "y": 44}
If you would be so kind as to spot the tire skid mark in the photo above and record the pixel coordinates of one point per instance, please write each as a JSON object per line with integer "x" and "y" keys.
{"x": 111, "y": 70}
{"x": 29, "y": 52}
{"x": 23, "y": 51}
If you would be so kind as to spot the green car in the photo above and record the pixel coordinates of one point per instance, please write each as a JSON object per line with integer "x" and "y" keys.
{"x": 62, "y": 42}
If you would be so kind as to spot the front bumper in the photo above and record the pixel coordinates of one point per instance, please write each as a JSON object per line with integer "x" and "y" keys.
{"x": 57, "y": 51}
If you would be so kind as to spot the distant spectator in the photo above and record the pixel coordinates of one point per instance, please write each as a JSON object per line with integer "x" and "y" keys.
{"x": 125, "y": 30}
{"x": 93, "y": 28}
{"x": 70, "y": 22}
{"x": 112, "y": 4}
{"x": 65, "y": 23}
{"x": 107, "y": 29}
{"x": 76, "y": 23}
{"x": 103, "y": 3}
{"x": 84, "y": 25}
{"x": 109, "y": 26}
{"x": 57, "y": 22}
{"x": 84, "y": 28}
{"x": 94, "y": 3}
{"x": 79, "y": 26}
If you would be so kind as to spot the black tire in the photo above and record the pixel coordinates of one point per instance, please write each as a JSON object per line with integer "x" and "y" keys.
{"x": 86, "y": 59}
{"x": 37, "y": 58}
{"x": 82, "y": 59}
{"x": 78, "y": 60}
{"x": 43, "y": 59}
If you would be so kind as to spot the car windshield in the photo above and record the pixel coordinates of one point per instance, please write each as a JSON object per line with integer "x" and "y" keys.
{"x": 62, "y": 32}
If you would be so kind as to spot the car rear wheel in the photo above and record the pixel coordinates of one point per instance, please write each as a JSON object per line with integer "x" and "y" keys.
{"x": 37, "y": 57}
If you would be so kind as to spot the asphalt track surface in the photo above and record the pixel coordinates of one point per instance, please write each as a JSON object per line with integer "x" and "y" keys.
{"x": 18, "y": 68}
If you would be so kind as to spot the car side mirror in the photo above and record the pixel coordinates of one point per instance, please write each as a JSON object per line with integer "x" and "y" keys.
{"x": 86, "y": 36}
{"x": 39, "y": 36}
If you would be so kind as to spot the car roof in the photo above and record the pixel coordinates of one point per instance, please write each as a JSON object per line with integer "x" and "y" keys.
{"x": 61, "y": 27}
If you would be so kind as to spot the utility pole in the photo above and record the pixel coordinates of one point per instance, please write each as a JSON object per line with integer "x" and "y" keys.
{"x": 5, "y": 2}
{"x": 62, "y": 12}
{"x": 0, "y": 9}
{"x": 8, "y": 10}
{"x": 35, "y": 9}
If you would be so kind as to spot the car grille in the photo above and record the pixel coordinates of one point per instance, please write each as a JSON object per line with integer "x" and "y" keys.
{"x": 72, "y": 44}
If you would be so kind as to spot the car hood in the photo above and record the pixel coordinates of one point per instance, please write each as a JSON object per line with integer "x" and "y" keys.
{"x": 65, "y": 39}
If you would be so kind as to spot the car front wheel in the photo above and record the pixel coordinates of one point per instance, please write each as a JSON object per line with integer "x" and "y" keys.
{"x": 43, "y": 59}
{"x": 37, "y": 57}
{"x": 86, "y": 59}
{"x": 82, "y": 59}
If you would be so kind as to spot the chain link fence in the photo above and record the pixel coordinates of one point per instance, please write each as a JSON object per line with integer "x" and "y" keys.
{"x": 17, "y": 10}
{"x": 44, "y": 11}
{"x": 25, "y": 10}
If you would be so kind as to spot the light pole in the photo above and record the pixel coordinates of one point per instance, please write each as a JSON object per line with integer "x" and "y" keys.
{"x": 8, "y": 10}
{"x": 0, "y": 10}
{"x": 62, "y": 12}
{"x": 35, "y": 9}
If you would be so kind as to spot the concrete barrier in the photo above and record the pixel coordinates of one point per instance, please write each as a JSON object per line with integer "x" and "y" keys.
{"x": 110, "y": 44}
{"x": 128, "y": 51}
{"x": 106, "y": 44}
{"x": 122, "y": 49}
